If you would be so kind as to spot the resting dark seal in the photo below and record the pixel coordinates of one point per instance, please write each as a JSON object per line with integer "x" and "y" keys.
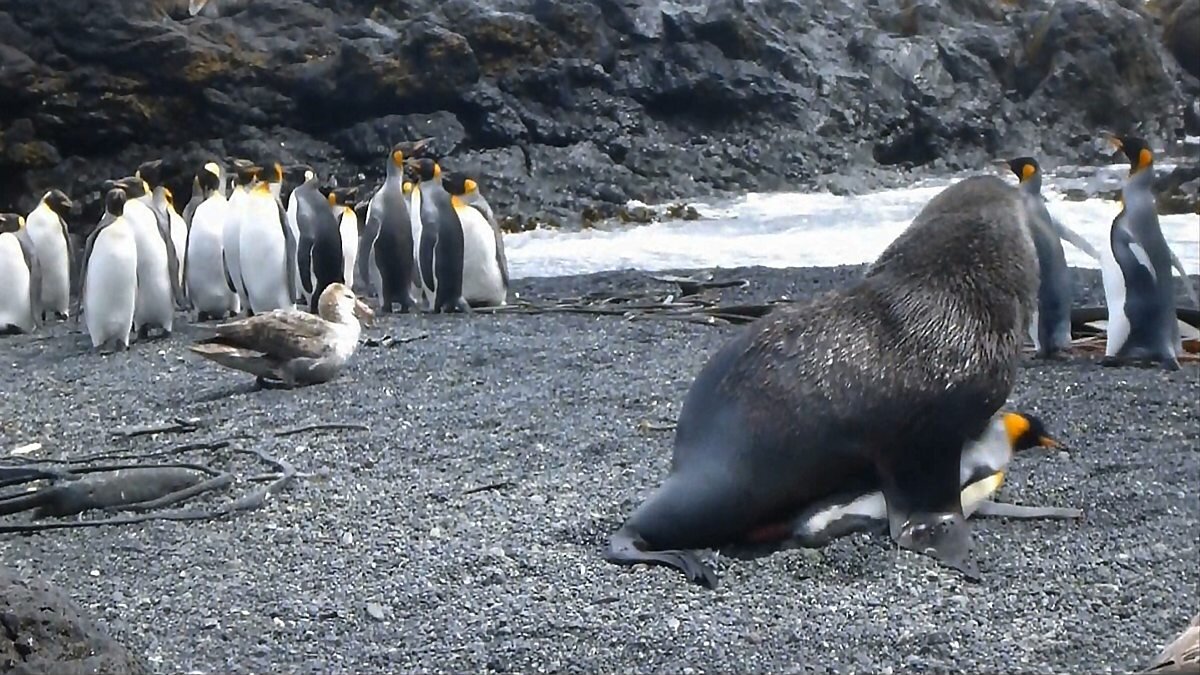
{"x": 882, "y": 383}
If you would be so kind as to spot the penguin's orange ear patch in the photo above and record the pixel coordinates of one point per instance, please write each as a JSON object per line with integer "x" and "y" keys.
{"x": 1145, "y": 157}
{"x": 1027, "y": 171}
{"x": 398, "y": 157}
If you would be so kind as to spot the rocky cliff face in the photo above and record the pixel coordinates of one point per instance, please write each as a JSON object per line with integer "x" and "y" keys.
{"x": 572, "y": 106}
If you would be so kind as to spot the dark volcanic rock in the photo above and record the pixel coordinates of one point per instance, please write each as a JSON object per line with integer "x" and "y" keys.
{"x": 571, "y": 104}
{"x": 44, "y": 631}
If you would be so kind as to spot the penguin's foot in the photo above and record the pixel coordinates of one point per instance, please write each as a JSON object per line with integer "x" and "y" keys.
{"x": 1165, "y": 363}
{"x": 10, "y": 329}
{"x": 625, "y": 548}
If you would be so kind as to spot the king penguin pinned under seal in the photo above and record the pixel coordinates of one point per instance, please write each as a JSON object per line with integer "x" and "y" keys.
{"x": 1138, "y": 288}
{"x": 47, "y": 227}
{"x": 884, "y": 382}
{"x": 1050, "y": 327}
{"x": 21, "y": 296}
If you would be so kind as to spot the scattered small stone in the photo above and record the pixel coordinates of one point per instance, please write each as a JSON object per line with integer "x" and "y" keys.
{"x": 375, "y": 611}
{"x": 347, "y": 538}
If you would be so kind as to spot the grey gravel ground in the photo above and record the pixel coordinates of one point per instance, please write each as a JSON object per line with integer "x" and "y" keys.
{"x": 391, "y": 564}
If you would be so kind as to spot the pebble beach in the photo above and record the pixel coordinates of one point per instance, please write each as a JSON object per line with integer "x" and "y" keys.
{"x": 455, "y": 522}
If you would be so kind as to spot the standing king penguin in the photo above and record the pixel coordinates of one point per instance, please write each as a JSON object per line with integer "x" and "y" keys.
{"x": 386, "y": 255}
{"x": 110, "y": 278}
{"x": 881, "y": 383}
{"x": 155, "y": 304}
{"x": 21, "y": 296}
{"x": 1050, "y": 327}
{"x": 339, "y": 204}
{"x": 47, "y": 228}
{"x": 244, "y": 174}
{"x": 429, "y": 207}
{"x": 484, "y": 267}
{"x": 1138, "y": 288}
{"x": 174, "y": 232}
{"x": 267, "y": 251}
{"x": 320, "y": 255}
{"x": 204, "y": 266}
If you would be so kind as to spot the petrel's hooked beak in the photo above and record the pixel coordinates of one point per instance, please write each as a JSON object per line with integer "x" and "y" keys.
{"x": 363, "y": 312}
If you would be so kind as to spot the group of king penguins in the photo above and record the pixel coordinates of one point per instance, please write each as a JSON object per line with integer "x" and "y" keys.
{"x": 429, "y": 240}
{"x": 1136, "y": 269}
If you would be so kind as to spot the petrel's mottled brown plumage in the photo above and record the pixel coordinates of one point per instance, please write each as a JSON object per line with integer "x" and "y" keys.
{"x": 289, "y": 345}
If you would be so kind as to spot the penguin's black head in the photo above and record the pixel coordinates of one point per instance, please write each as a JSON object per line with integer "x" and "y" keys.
{"x": 11, "y": 222}
{"x": 151, "y": 172}
{"x": 59, "y": 202}
{"x": 427, "y": 169}
{"x": 208, "y": 180}
{"x": 1026, "y": 431}
{"x": 1024, "y": 167}
{"x": 247, "y": 173}
{"x": 132, "y": 186}
{"x": 457, "y": 183}
{"x": 114, "y": 201}
{"x": 1136, "y": 150}
{"x": 343, "y": 196}
{"x": 273, "y": 172}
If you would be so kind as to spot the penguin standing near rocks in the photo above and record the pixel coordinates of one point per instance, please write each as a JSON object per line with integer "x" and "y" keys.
{"x": 110, "y": 276}
{"x": 385, "y": 257}
{"x": 244, "y": 174}
{"x": 194, "y": 202}
{"x": 343, "y": 211}
{"x": 156, "y": 291}
{"x": 21, "y": 295}
{"x": 47, "y": 228}
{"x": 293, "y": 177}
{"x": 164, "y": 200}
{"x": 883, "y": 383}
{"x": 483, "y": 271}
{"x": 204, "y": 266}
{"x": 1050, "y": 327}
{"x": 267, "y": 251}
{"x": 1138, "y": 288}
{"x": 429, "y": 207}
{"x": 320, "y": 256}
{"x": 156, "y": 197}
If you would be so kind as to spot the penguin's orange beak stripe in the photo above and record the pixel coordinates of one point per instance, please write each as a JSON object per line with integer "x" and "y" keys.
{"x": 1047, "y": 442}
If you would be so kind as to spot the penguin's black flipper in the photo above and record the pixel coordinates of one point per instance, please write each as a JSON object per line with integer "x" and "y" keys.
{"x": 290, "y": 245}
{"x": 623, "y": 549}
{"x": 35, "y": 275}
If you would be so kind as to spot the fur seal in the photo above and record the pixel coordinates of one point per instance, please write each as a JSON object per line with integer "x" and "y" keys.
{"x": 881, "y": 383}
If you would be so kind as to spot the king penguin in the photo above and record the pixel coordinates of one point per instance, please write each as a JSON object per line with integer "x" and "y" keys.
{"x": 150, "y": 174}
{"x": 244, "y": 173}
{"x": 484, "y": 268}
{"x": 266, "y": 250}
{"x": 155, "y": 306}
{"x": 164, "y": 200}
{"x": 343, "y": 211}
{"x": 293, "y": 177}
{"x": 204, "y": 263}
{"x": 1138, "y": 288}
{"x": 423, "y": 215}
{"x": 21, "y": 297}
{"x": 109, "y": 276}
{"x": 194, "y": 202}
{"x": 385, "y": 257}
{"x": 1050, "y": 328}
{"x": 320, "y": 256}
{"x": 47, "y": 228}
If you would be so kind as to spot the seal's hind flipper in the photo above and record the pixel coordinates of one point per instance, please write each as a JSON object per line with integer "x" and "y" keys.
{"x": 1002, "y": 510}
{"x": 623, "y": 549}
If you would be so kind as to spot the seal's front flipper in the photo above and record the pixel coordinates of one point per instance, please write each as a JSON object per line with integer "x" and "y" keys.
{"x": 1002, "y": 510}
{"x": 944, "y": 537}
{"x": 625, "y": 548}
